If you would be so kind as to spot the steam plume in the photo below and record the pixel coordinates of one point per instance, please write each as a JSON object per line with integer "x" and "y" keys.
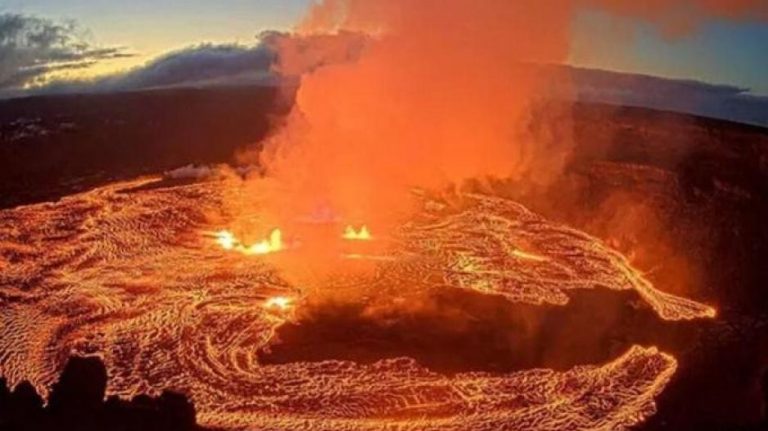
{"x": 436, "y": 93}
{"x": 440, "y": 96}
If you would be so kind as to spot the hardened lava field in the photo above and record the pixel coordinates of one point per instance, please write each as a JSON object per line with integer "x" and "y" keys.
{"x": 131, "y": 273}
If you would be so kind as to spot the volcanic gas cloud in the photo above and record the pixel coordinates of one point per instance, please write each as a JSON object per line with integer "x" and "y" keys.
{"x": 428, "y": 94}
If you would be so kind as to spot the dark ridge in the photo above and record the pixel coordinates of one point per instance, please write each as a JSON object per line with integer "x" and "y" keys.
{"x": 51, "y": 147}
{"x": 77, "y": 403}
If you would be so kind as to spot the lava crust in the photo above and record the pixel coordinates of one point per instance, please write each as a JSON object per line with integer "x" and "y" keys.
{"x": 125, "y": 272}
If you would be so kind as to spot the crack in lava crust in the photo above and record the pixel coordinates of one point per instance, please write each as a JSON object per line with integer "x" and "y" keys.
{"x": 124, "y": 273}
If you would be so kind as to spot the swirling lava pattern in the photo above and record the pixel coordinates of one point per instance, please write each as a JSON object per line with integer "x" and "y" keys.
{"x": 124, "y": 272}
{"x": 493, "y": 245}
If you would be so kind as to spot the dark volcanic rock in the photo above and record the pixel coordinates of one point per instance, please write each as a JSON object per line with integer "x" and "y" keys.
{"x": 53, "y": 146}
{"x": 81, "y": 387}
{"x": 77, "y": 403}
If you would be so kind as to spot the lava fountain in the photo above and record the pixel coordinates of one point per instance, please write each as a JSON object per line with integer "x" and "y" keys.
{"x": 228, "y": 241}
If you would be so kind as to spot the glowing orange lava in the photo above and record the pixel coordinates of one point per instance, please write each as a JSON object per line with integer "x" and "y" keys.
{"x": 281, "y": 303}
{"x": 123, "y": 273}
{"x": 228, "y": 241}
{"x": 520, "y": 254}
{"x": 357, "y": 235}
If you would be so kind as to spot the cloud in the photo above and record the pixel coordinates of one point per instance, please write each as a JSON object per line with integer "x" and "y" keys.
{"x": 274, "y": 58}
{"x": 693, "y": 97}
{"x": 200, "y": 65}
{"x": 31, "y": 48}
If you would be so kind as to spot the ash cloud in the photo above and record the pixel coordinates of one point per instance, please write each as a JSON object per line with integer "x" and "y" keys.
{"x": 31, "y": 48}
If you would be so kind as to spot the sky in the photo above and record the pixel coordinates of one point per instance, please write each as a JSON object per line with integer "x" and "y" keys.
{"x": 718, "y": 52}
{"x": 150, "y": 28}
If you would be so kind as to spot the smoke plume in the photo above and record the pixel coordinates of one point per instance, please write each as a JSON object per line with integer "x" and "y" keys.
{"x": 440, "y": 95}
{"x": 433, "y": 94}
{"x": 444, "y": 92}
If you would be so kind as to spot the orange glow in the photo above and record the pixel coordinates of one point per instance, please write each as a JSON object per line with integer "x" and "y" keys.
{"x": 354, "y": 235}
{"x": 438, "y": 98}
{"x": 281, "y": 303}
{"x": 442, "y": 93}
{"x": 228, "y": 241}
{"x": 528, "y": 256}
{"x": 205, "y": 317}
{"x": 420, "y": 108}
{"x": 271, "y": 245}
{"x": 369, "y": 257}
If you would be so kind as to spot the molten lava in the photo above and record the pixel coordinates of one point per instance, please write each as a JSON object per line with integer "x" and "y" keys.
{"x": 122, "y": 272}
{"x": 520, "y": 254}
{"x": 228, "y": 241}
{"x": 281, "y": 303}
{"x": 357, "y": 235}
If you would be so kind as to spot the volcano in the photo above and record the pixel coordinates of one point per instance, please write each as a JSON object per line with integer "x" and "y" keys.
{"x": 119, "y": 272}
{"x": 605, "y": 305}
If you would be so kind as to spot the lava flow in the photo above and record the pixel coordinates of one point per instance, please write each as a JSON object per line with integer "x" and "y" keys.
{"x": 123, "y": 272}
